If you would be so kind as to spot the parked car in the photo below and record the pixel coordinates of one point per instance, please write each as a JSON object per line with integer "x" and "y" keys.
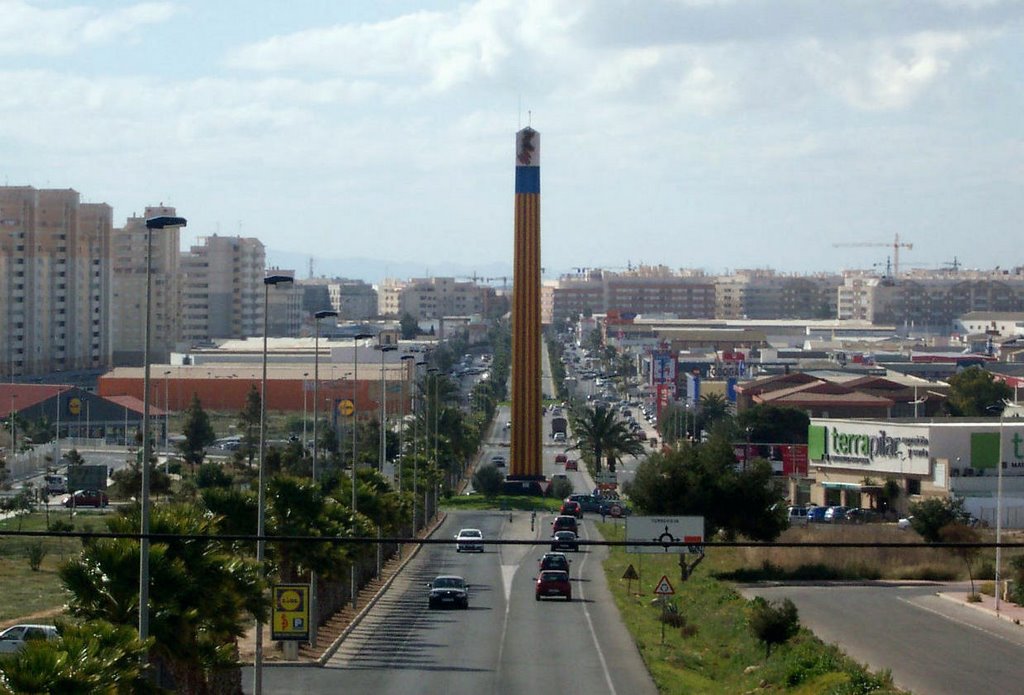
{"x": 565, "y": 522}
{"x": 469, "y": 539}
{"x": 87, "y": 498}
{"x": 572, "y": 508}
{"x": 554, "y": 561}
{"x": 448, "y": 590}
{"x": 564, "y": 540}
{"x": 14, "y": 638}
{"x": 862, "y": 516}
{"x": 558, "y": 436}
{"x": 905, "y": 524}
{"x": 553, "y": 583}
{"x": 816, "y": 515}
{"x": 835, "y": 515}
{"x": 798, "y": 516}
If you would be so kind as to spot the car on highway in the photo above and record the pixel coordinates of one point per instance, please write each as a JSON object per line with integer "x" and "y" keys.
{"x": 571, "y": 465}
{"x": 558, "y": 436}
{"x": 571, "y": 508}
{"x": 554, "y": 561}
{"x": 565, "y": 540}
{"x": 87, "y": 498}
{"x": 448, "y": 590}
{"x": 553, "y": 583}
{"x": 470, "y": 540}
{"x": 561, "y": 458}
{"x": 498, "y": 461}
{"x": 565, "y": 522}
{"x": 17, "y": 636}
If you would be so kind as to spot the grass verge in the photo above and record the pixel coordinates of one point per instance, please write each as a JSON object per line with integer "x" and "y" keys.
{"x": 710, "y": 649}
{"x": 26, "y": 591}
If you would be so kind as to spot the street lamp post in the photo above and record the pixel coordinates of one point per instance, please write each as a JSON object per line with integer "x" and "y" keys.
{"x": 383, "y": 409}
{"x": 261, "y": 516}
{"x": 313, "y": 602}
{"x": 326, "y": 313}
{"x": 305, "y": 377}
{"x": 14, "y": 428}
{"x": 161, "y": 222}
{"x": 999, "y": 511}
{"x": 355, "y": 412}
{"x": 415, "y": 452}
{"x": 401, "y": 426}
{"x": 167, "y": 420}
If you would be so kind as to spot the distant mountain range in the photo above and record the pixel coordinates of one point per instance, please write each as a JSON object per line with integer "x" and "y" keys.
{"x": 374, "y": 270}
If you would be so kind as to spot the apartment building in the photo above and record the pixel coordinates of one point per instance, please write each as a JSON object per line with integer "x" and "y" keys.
{"x": 432, "y": 298}
{"x": 354, "y": 300}
{"x": 54, "y": 281}
{"x": 222, "y": 288}
{"x": 931, "y": 300}
{"x": 128, "y": 286}
{"x": 766, "y": 294}
{"x": 284, "y": 307}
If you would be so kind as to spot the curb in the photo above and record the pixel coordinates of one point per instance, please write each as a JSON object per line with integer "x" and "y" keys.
{"x": 981, "y": 607}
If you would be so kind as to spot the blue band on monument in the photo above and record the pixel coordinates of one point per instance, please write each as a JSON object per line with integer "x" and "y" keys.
{"x": 527, "y": 179}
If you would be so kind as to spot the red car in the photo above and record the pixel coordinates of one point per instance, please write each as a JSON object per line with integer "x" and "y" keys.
{"x": 571, "y": 465}
{"x": 87, "y": 498}
{"x": 553, "y": 583}
{"x": 561, "y": 458}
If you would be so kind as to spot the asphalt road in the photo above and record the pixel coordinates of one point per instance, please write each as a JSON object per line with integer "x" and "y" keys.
{"x": 506, "y": 642}
{"x": 931, "y": 645}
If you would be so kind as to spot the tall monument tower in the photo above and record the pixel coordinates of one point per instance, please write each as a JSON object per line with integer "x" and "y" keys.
{"x": 526, "y": 462}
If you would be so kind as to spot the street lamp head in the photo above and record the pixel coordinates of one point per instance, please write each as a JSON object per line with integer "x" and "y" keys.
{"x": 165, "y": 221}
{"x": 278, "y": 279}
{"x": 326, "y": 313}
{"x": 387, "y": 348}
{"x": 408, "y": 357}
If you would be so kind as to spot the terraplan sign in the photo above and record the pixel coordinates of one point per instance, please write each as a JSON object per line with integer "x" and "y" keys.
{"x": 866, "y": 445}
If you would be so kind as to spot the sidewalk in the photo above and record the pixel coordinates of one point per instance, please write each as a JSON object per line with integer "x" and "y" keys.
{"x": 332, "y": 633}
{"x": 1007, "y": 611}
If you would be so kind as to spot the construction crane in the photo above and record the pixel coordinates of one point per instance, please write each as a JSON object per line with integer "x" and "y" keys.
{"x": 896, "y": 246}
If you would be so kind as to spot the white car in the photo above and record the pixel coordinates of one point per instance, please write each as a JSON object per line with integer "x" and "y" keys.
{"x": 905, "y": 523}
{"x": 469, "y": 539}
{"x": 14, "y": 638}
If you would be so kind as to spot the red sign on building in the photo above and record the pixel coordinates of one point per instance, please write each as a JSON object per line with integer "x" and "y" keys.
{"x": 794, "y": 459}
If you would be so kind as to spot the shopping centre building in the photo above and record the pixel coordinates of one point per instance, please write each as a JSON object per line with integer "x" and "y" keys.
{"x": 850, "y": 460}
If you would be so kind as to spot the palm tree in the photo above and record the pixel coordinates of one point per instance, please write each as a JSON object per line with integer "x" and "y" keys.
{"x": 605, "y": 437}
{"x": 92, "y": 657}
{"x": 713, "y": 407}
{"x": 203, "y": 593}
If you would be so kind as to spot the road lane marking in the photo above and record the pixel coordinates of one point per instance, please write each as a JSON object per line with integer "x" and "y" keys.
{"x": 590, "y": 624}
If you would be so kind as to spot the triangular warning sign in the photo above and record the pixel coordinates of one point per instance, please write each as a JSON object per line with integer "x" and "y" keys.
{"x": 664, "y": 588}
{"x": 630, "y": 573}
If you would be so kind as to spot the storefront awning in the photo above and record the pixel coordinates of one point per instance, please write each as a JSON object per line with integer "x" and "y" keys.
{"x": 841, "y": 486}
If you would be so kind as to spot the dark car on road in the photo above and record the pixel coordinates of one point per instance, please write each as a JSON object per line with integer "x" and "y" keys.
{"x": 571, "y": 508}
{"x": 553, "y": 583}
{"x": 87, "y": 498}
{"x": 564, "y": 540}
{"x": 554, "y": 561}
{"x": 565, "y": 522}
{"x": 448, "y": 590}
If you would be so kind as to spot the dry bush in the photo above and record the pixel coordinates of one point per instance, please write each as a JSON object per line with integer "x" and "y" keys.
{"x": 883, "y": 563}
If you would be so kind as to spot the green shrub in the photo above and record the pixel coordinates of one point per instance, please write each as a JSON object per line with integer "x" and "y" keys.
{"x": 773, "y": 622}
{"x": 212, "y": 475}
{"x": 36, "y": 552}
{"x": 61, "y": 526}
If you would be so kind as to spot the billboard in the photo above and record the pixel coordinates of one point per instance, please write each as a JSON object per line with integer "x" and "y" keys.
{"x": 869, "y": 445}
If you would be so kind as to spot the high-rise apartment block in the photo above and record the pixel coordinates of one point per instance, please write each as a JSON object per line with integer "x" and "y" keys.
{"x": 222, "y": 288}
{"x": 54, "y": 281}
{"x": 130, "y": 249}
{"x": 284, "y": 307}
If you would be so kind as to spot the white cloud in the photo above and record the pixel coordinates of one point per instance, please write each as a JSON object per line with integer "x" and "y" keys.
{"x": 26, "y": 29}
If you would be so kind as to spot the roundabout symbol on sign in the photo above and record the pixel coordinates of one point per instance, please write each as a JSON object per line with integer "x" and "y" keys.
{"x": 666, "y": 539}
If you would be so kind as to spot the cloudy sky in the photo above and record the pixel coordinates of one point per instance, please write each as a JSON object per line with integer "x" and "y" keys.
{"x": 713, "y": 134}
